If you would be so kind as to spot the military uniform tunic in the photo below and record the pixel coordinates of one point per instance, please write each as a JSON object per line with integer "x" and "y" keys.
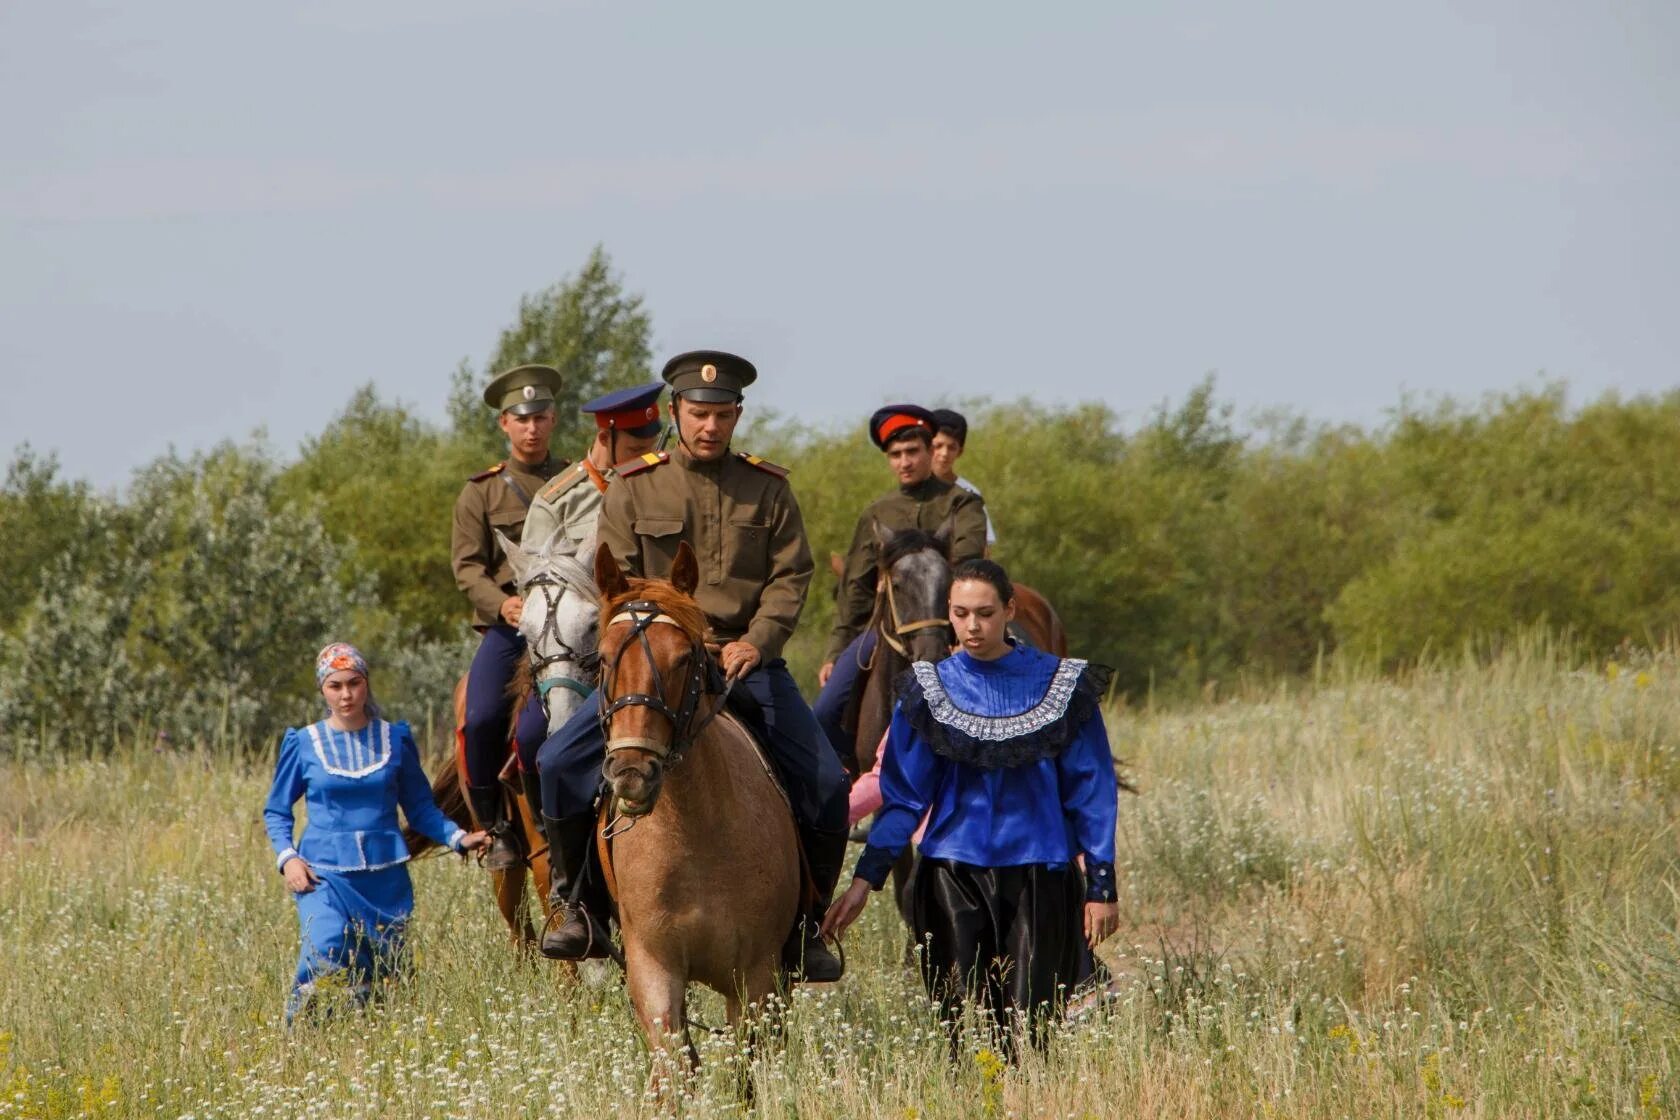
{"x": 498, "y": 498}
{"x": 570, "y": 505}
{"x": 744, "y": 526}
{"x": 740, "y": 517}
{"x": 922, "y": 506}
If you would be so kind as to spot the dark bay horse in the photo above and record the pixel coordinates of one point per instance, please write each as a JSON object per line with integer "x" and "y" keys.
{"x": 913, "y": 591}
{"x": 703, "y": 861}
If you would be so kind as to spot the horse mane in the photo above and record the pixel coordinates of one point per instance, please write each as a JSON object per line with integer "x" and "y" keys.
{"x": 906, "y": 541}
{"x": 665, "y": 595}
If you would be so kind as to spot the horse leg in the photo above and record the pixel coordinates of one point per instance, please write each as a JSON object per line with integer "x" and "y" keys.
{"x": 510, "y": 900}
{"x": 755, "y": 1013}
{"x": 657, "y": 993}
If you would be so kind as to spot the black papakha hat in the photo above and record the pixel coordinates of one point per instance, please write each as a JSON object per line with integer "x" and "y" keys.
{"x": 890, "y": 420}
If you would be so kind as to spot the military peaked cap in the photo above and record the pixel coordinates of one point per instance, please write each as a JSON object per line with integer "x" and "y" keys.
{"x": 709, "y": 376}
{"x": 523, "y": 390}
{"x": 634, "y": 410}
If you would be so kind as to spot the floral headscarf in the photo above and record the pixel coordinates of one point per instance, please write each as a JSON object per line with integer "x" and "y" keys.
{"x": 336, "y": 658}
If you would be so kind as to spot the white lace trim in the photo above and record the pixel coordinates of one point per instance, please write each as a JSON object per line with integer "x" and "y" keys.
{"x": 999, "y": 729}
{"x": 355, "y": 755}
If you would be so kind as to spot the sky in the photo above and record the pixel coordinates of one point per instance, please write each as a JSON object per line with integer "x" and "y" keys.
{"x": 217, "y": 217}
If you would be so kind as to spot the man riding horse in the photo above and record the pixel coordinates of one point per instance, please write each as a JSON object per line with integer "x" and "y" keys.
{"x": 627, "y": 426}
{"x": 904, "y": 432}
{"x": 495, "y": 500}
{"x": 739, "y": 516}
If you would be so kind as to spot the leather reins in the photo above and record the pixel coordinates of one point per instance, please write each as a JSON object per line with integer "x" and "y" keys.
{"x": 564, "y": 572}
{"x": 643, "y": 614}
{"x": 900, "y": 628}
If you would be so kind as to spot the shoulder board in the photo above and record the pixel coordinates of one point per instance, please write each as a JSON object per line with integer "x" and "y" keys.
{"x": 562, "y": 482}
{"x": 490, "y": 472}
{"x": 636, "y": 466}
{"x": 763, "y": 464}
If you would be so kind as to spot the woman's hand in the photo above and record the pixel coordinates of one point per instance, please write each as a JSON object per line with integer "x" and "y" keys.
{"x": 474, "y": 841}
{"x": 1101, "y": 920}
{"x": 846, "y": 909}
{"x": 300, "y": 877}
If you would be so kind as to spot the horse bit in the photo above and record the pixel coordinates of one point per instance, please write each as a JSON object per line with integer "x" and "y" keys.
{"x": 568, "y": 573}
{"x": 643, "y": 614}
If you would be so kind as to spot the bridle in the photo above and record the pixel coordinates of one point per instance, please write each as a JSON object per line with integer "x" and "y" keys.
{"x": 642, "y": 614}
{"x": 562, "y": 572}
{"x": 899, "y": 628}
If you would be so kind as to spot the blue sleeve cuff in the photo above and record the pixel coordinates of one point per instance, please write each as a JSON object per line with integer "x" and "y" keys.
{"x": 1099, "y": 881}
{"x": 285, "y": 856}
{"x": 455, "y": 839}
{"x": 874, "y": 865}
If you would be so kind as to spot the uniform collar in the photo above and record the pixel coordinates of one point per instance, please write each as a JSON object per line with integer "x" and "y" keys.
{"x": 546, "y": 469}
{"x": 682, "y": 458}
{"x": 929, "y": 487}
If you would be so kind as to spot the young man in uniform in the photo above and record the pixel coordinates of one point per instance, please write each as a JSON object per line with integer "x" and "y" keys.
{"x": 904, "y": 432}
{"x": 564, "y": 512}
{"x": 739, "y": 515}
{"x": 950, "y": 438}
{"x": 497, "y": 499}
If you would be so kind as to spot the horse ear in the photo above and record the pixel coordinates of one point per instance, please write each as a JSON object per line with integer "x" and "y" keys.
{"x": 947, "y": 529}
{"x": 882, "y": 533}
{"x": 517, "y": 559}
{"x": 609, "y": 577}
{"x": 685, "y": 570}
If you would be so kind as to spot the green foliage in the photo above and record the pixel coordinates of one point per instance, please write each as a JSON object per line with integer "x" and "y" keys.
{"x": 383, "y": 482}
{"x": 585, "y": 326}
{"x": 41, "y": 518}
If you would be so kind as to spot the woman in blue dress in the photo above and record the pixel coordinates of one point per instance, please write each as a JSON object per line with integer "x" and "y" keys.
{"x": 1003, "y": 748}
{"x": 348, "y": 873}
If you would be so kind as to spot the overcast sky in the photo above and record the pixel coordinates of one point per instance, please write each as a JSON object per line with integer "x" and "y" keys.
{"x": 216, "y": 216}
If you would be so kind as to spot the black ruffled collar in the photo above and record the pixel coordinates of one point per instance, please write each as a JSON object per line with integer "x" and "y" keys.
{"x": 1073, "y": 696}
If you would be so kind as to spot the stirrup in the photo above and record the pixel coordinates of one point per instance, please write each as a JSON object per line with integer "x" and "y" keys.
{"x": 598, "y": 943}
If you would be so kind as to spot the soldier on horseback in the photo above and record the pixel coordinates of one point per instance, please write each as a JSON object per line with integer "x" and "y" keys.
{"x": 739, "y": 516}
{"x": 494, "y": 500}
{"x": 904, "y": 432}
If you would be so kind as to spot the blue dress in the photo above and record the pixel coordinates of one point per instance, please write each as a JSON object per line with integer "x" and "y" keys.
{"x": 352, "y": 782}
{"x": 1010, "y": 761}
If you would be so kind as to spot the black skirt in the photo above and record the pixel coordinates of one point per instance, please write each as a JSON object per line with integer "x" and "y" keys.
{"x": 1008, "y": 937}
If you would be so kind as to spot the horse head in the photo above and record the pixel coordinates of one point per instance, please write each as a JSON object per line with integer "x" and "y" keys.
{"x": 558, "y": 622}
{"x": 654, "y": 668}
{"x": 914, "y": 571}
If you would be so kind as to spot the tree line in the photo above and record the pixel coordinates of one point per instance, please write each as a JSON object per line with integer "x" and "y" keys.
{"x": 1183, "y": 549}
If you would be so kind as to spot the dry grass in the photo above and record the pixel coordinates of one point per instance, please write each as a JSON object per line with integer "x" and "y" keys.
{"x": 1454, "y": 896}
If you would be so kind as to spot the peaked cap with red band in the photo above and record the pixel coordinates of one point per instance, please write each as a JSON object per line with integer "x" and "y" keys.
{"x": 895, "y": 418}
{"x": 634, "y": 410}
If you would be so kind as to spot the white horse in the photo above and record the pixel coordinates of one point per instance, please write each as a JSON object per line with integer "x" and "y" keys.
{"x": 559, "y": 620}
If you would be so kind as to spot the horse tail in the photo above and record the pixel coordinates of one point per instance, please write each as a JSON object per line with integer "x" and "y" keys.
{"x": 451, "y": 797}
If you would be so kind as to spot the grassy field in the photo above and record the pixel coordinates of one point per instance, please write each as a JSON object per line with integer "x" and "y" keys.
{"x": 1452, "y": 895}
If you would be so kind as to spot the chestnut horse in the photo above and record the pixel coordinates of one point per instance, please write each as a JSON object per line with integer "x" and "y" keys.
{"x": 701, "y": 859}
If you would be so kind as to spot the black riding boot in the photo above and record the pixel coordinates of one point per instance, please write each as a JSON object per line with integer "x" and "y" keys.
{"x": 486, "y": 805}
{"x": 573, "y": 932}
{"x": 806, "y": 956}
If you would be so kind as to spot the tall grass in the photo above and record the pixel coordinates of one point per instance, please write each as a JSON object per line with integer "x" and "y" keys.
{"x": 1454, "y": 895}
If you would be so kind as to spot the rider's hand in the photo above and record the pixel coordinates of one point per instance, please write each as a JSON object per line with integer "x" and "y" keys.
{"x": 824, "y": 673}
{"x": 475, "y": 842}
{"x": 300, "y": 877}
{"x": 1101, "y": 920}
{"x": 738, "y": 659}
{"x": 846, "y": 908}
{"x": 512, "y": 607}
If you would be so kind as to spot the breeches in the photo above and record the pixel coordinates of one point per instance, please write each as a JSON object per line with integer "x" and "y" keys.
{"x": 484, "y": 732}
{"x": 569, "y": 763}
{"x": 836, "y": 695}
{"x": 1008, "y": 937}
